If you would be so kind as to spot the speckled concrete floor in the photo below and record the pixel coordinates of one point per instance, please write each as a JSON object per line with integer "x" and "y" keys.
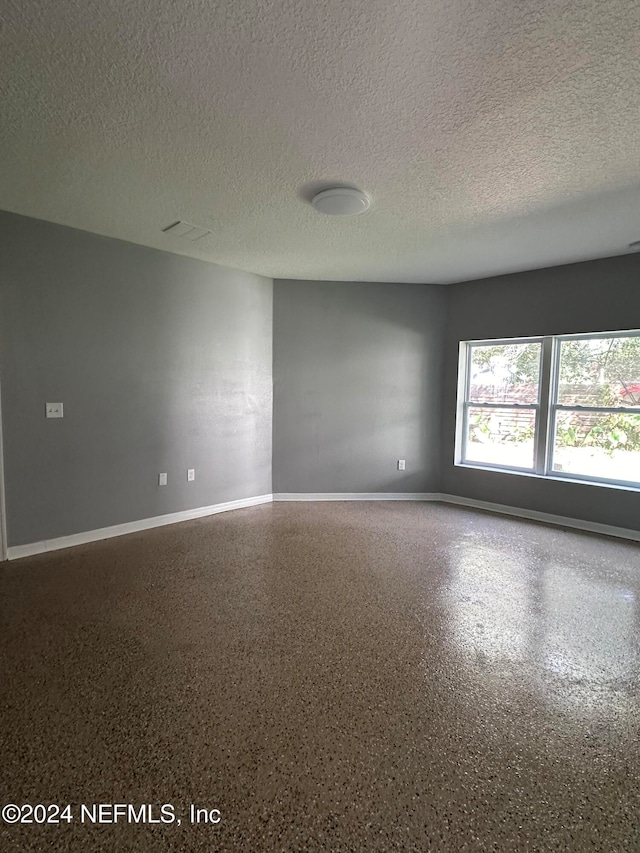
{"x": 331, "y": 677}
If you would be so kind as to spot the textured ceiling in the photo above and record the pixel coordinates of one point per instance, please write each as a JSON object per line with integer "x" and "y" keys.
{"x": 492, "y": 135}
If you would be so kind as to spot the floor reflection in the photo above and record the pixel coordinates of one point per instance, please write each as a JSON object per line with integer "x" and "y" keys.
{"x": 588, "y": 637}
{"x": 490, "y": 607}
{"x": 567, "y": 633}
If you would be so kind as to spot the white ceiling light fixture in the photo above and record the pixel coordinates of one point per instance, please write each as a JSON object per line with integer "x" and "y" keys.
{"x": 341, "y": 201}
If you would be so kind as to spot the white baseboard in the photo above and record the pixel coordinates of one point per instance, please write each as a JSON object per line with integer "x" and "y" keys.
{"x": 502, "y": 509}
{"x": 546, "y": 517}
{"x": 17, "y": 551}
{"x": 357, "y": 496}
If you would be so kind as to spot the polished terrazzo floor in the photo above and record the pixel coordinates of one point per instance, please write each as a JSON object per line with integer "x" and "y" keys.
{"x": 331, "y": 677}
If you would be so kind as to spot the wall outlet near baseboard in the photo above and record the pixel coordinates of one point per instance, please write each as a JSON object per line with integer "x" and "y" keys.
{"x": 54, "y": 410}
{"x": 401, "y": 464}
{"x": 162, "y": 479}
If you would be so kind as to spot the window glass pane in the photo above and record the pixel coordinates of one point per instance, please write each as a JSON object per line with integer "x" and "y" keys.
{"x": 605, "y": 445}
{"x": 506, "y": 373}
{"x": 504, "y": 437}
{"x": 600, "y": 372}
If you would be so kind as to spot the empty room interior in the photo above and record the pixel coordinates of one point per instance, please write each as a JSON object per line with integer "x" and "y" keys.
{"x": 320, "y": 426}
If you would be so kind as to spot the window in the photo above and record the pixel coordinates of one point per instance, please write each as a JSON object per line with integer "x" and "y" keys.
{"x": 566, "y": 406}
{"x": 502, "y": 403}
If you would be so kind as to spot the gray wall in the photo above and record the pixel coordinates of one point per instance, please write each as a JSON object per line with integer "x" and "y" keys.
{"x": 357, "y": 386}
{"x": 163, "y": 363}
{"x": 589, "y": 297}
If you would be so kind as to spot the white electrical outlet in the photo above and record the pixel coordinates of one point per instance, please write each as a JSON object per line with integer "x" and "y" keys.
{"x": 191, "y": 474}
{"x": 162, "y": 479}
{"x": 401, "y": 464}
{"x": 53, "y": 410}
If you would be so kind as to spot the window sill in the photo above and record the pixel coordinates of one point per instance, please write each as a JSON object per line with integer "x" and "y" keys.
{"x": 620, "y": 487}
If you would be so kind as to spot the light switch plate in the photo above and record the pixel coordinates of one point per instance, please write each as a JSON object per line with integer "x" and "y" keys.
{"x": 54, "y": 410}
{"x": 191, "y": 474}
{"x": 401, "y": 464}
{"x": 162, "y": 479}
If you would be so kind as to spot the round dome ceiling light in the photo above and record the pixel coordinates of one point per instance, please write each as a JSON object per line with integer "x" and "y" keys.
{"x": 341, "y": 201}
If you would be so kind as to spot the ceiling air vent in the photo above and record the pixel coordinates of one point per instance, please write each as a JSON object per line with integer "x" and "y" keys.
{"x": 186, "y": 231}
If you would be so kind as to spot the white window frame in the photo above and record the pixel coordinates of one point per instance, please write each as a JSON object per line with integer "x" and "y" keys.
{"x": 468, "y": 404}
{"x": 546, "y": 408}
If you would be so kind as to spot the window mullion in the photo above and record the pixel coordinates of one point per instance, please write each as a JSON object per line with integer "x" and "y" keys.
{"x": 553, "y": 404}
{"x": 544, "y": 399}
